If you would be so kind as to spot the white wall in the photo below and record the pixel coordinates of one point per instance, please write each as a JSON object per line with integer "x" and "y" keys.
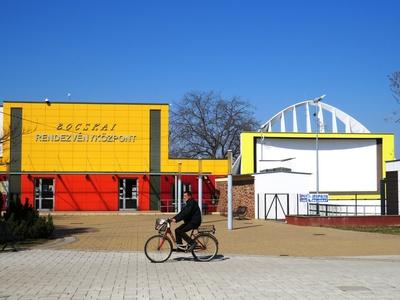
{"x": 393, "y": 165}
{"x": 279, "y": 183}
{"x": 345, "y": 165}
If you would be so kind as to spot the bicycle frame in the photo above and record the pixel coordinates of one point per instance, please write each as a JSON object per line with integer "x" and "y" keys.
{"x": 169, "y": 232}
{"x": 205, "y": 246}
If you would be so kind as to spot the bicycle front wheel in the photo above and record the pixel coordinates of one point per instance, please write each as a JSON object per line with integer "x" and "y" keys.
{"x": 206, "y": 248}
{"x": 158, "y": 248}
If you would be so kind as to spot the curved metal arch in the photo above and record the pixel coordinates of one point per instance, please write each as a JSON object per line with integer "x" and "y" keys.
{"x": 351, "y": 124}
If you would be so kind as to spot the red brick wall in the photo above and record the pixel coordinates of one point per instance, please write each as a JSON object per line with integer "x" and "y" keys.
{"x": 343, "y": 221}
{"x": 243, "y": 195}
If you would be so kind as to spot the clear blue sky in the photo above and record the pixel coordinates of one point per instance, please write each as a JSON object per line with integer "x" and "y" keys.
{"x": 271, "y": 54}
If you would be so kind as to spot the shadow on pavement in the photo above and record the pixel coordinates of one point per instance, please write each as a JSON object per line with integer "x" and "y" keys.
{"x": 10, "y": 249}
{"x": 24, "y": 245}
{"x": 244, "y": 227}
{"x": 217, "y": 258}
{"x": 214, "y": 221}
{"x": 61, "y": 231}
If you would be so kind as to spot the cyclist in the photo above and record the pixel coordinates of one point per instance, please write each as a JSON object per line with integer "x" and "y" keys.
{"x": 191, "y": 216}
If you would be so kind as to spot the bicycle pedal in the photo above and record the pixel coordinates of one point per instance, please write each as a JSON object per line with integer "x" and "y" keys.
{"x": 181, "y": 248}
{"x": 192, "y": 247}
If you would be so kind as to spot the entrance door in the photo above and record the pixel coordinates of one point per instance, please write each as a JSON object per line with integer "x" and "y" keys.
{"x": 128, "y": 193}
{"x": 392, "y": 193}
{"x": 185, "y": 187}
{"x": 44, "y": 193}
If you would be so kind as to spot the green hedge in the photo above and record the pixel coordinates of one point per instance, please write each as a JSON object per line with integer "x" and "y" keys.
{"x": 24, "y": 222}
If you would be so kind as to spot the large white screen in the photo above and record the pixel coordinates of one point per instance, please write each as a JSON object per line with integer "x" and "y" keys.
{"x": 345, "y": 165}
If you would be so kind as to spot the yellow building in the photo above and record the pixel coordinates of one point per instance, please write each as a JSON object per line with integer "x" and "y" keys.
{"x": 97, "y": 156}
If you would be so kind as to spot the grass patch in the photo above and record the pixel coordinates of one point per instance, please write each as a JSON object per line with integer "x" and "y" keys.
{"x": 375, "y": 229}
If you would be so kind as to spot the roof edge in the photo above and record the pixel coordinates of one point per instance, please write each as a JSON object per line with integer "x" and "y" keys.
{"x": 84, "y": 102}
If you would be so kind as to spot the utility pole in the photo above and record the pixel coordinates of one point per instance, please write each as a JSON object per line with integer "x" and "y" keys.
{"x": 179, "y": 186}
{"x": 200, "y": 186}
{"x": 317, "y": 129}
{"x": 230, "y": 205}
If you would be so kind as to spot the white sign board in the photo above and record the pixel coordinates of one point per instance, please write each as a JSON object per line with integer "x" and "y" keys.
{"x": 314, "y": 198}
{"x": 345, "y": 165}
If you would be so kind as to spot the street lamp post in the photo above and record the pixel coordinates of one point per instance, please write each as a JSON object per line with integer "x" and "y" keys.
{"x": 200, "y": 186}
{"x": 229, "y": 190}
{"x": 179, "y": 186}
{"x": 317, "y": 129}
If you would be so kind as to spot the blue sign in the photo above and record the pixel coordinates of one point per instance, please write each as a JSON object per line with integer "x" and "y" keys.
{"x": 304, "y": 197}
{"x": 314, "y": 198}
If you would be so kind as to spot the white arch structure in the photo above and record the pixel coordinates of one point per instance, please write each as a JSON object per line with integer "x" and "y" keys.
{"x": 351, "y": 124}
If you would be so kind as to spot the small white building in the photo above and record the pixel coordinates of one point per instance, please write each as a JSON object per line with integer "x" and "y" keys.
{"x": 339, "y": 157}
{"x": 277, "y": 193}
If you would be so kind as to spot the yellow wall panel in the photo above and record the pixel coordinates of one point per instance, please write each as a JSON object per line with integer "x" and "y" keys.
{"x": 213, "y": 166}
{"x": 90, "y": 137}
{"x": 86, "y": 137}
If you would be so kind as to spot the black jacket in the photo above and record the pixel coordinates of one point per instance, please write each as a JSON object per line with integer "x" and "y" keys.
{"x": 190, "y": 213}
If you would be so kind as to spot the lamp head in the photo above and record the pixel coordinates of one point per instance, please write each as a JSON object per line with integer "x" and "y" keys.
{"x": 316, "y": 100}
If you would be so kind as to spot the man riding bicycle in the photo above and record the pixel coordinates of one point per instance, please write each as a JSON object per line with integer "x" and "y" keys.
{"x": 191, "y": 216}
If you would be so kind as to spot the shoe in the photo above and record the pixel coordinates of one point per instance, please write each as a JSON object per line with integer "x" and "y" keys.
{"x": 181, "y": 248}
{"x": 192, "y": 246}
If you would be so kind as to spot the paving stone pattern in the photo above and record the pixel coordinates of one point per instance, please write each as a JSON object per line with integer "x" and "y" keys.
{"x": 72, "y": 274}
{"x": 253, "y": 237}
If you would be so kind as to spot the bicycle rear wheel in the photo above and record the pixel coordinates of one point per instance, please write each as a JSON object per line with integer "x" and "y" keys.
{"x": 158, "y": 248}
{"x": 206, "y": 248}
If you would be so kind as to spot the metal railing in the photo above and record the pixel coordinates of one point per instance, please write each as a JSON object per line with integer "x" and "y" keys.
{"x": 279, "y": 205}
{"x": 344, "y": 209}
{"x": 169, "y": 206}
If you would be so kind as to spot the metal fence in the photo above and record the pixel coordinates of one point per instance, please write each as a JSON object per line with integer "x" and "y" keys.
{"x": 344, "y": 209}
{"x": 171, "y": 206}
{"x": 279, "y": 205}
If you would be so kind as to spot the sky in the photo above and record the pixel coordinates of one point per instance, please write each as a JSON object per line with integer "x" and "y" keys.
{"x": 272, "y": 54}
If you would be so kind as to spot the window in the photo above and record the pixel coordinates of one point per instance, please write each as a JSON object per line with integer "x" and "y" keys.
{"x": 44, "y": 193}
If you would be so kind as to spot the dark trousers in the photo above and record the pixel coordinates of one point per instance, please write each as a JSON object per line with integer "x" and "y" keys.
{"x": 180, "y": 232}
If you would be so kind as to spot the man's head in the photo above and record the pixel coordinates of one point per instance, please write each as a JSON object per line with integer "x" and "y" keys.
{"x": 187, "y": 195}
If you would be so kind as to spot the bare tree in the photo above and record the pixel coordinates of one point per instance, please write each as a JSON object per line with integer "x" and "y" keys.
{"x": 204, "y": 124}
{"x": 395, "y": 85}
{"x": 7, "y": 135}
{"x": 394, "y": 79}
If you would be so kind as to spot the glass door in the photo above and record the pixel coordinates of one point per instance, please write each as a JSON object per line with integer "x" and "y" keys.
{"x": 44, "y": 193}
{"x": 128, "y": 193}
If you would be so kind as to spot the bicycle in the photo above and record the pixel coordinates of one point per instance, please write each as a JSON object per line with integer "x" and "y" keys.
{"x": 158, "y": 248}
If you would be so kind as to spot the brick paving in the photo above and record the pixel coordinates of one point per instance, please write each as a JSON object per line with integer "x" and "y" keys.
{"x": 101, "y": 257}
{"x": 75, "y": 274}
{"x": 129, "y": 232}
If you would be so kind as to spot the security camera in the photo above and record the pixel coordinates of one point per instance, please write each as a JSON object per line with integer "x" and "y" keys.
{"x": 47, "y": 101}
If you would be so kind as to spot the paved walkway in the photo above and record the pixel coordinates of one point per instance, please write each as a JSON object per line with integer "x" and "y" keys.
{"x": 255, "y": 237}
{"x": 101, "y": 257}
{"x": 71, "y": 274}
